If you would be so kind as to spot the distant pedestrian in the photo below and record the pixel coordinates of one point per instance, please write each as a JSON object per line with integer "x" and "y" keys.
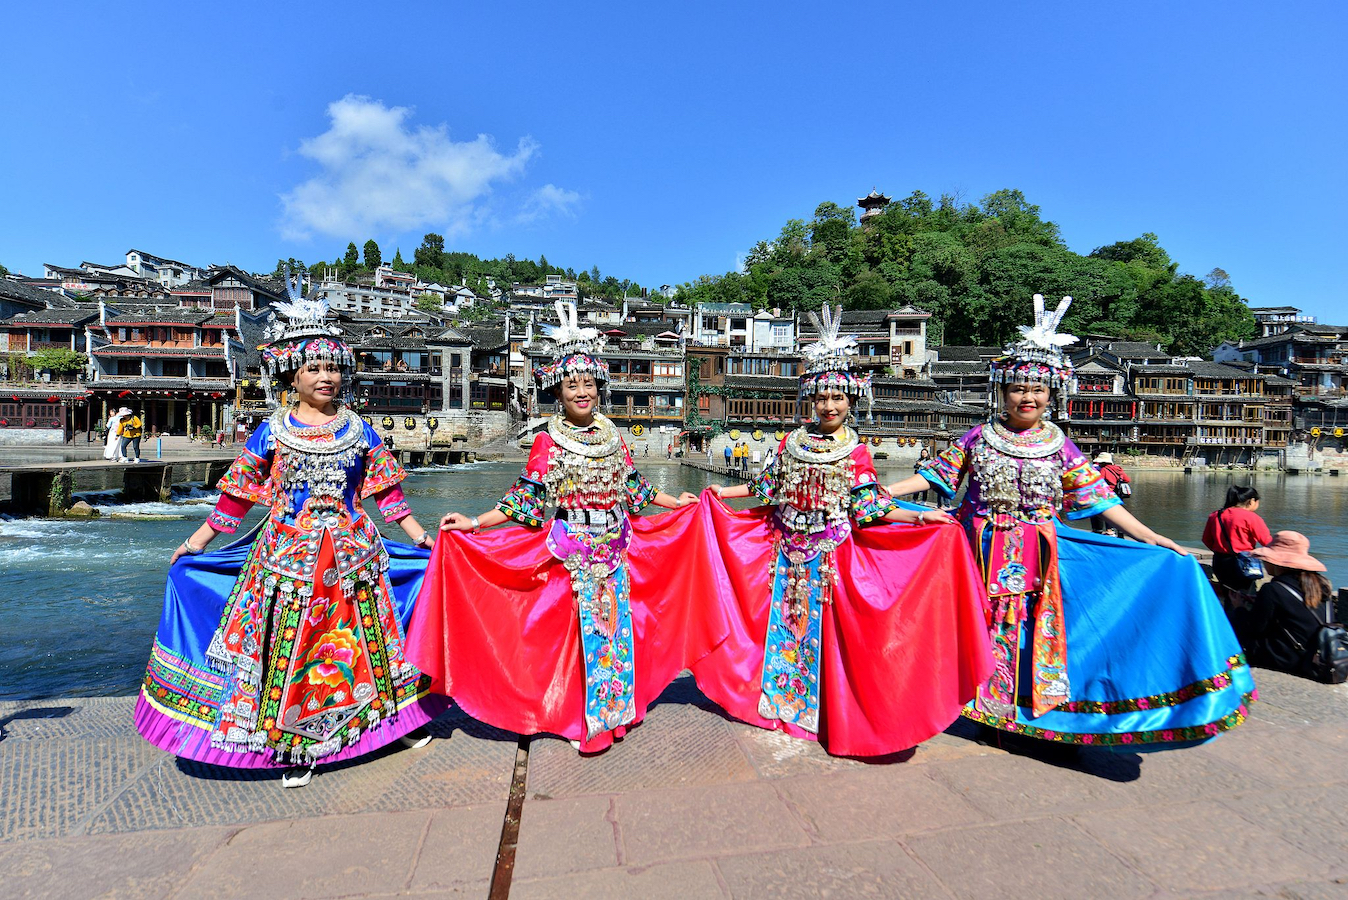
{"x": 669, "y": 450}
{"x": 1122, "y": 486}
{"x": 923, "y": 460}
{"x": 129, "y": 430}
{"x": 113, "y": 448}
{"x": 729, "y": 456}
{"x": 1234, "y": 529}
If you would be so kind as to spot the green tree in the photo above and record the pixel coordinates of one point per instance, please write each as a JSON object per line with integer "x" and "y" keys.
{"x": 372, "y": 258}
{"x": 1146, "y": 250}
{"x": 428, "y": 302}
{"x": 350, "y": 262}
{"x": 57, "y": 359}
{"x": 398, "y": 263}
{"x": 431, "y": 250}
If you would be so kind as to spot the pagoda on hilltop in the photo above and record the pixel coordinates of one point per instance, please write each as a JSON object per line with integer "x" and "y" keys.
{"x": 873, "y": 204}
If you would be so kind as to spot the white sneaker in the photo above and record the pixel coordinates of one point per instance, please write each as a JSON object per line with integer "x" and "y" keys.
{"x": 297, "y": 776}
{"x": 415, "y": 740}
{"x": 575, "y": 744}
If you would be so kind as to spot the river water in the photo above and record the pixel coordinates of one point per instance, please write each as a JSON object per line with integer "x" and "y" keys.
{"x": 79, "y": 600}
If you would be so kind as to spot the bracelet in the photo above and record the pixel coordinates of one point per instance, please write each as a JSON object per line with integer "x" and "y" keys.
{"x": 920, "y": 516}
{"x": 475, "y": 523}
{"x": 421, "y": 540}
{"x": 192, "y": 551}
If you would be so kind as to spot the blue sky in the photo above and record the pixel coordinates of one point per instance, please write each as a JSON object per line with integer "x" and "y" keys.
{"x": 660, "y": 141}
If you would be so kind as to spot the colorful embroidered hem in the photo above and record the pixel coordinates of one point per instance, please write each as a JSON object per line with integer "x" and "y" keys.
{"x": 871, "y": 503}
{"x": 1182, "y": 734}
{"x": 223, "y": 522}
{"x": 790, "y": 682}
{"x": 639, "y": 492}
{"x": 525, "y": 502}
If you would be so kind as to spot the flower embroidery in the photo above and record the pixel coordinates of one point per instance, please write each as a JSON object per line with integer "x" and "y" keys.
{"x": 333, "y": 660}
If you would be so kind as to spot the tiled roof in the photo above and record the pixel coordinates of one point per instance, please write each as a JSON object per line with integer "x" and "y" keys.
{"x": 26, "y": 293}
{"x": 762, "y": 382}
{"x": 966, "y": 354}
{"x": 70, "y": 317}
{"x": 114, "y": 383}
{"x": 126, "y": 351}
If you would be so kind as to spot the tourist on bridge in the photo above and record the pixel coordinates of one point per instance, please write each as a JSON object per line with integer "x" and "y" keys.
{"x": 574, "y": 624}
{"x": 1096, "y": 640}
{"x": 113, "y": 448}
{"x": 1235, "y": 529}
{"x": 867, "y": 638}
{"x": 290, "y": 651}
{"x": 129, "y": 431}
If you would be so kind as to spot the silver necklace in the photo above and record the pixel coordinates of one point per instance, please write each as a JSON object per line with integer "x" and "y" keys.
{"x": 811, "y": 447}
{"x": 593, "y": 441}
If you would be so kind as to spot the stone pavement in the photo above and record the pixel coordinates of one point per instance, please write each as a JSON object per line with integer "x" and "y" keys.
{"x": 690, "y": 805}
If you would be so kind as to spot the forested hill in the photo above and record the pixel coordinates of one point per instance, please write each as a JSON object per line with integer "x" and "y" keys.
{"x": 431, "y": 262}
{"x": 975, "y": 268}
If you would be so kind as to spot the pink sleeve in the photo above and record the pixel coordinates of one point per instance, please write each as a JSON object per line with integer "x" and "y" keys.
{"x": 228, "y": 513}
{"x": 537, "y": 466}
{"x": 392, "y": 504}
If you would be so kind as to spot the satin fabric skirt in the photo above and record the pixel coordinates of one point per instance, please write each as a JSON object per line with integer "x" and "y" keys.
{"x": 181, "y": 693}
{"x": 903, "y": 644}
{"x": 497, "y": 625}
{"x": 1151, "y": 657}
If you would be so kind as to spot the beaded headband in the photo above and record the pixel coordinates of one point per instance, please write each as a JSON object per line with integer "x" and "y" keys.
{"x": 1038, "y": 357}
{"x": 828, "y": 361}
{"x": 574, "y": 351}
{"x": 303, "y": 338}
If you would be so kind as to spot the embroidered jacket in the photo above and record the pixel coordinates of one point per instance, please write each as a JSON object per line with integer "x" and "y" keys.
{"x": 312, "y": 494}
{"x": 1052, "y": 474}
{"x": 604, "y": 484}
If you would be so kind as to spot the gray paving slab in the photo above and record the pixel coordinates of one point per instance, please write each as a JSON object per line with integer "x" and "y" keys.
{"x": 1053, "y": 780}
{"x": 872, "y": 869}
{"x": 879, "y": 802}
{"x": 1044, "y": 859}
{"x": 58, "y": 784}
{"x": 671, "y": 881}
{"x": 120, "y": 866}
{"x": 677, "y": 746}
{"x": 1200, "y": 846}
{"x": 1281, "y": 755}
{"x": 658, "y": 826}
{"x": 1288, "y": 700}
{"x": 575, "y": 834}
{"x": 331, "y": 856}
{"x": 1315, "y": 819}
{"x": 1335, "y": 889}
{"x": 459, "y": 849}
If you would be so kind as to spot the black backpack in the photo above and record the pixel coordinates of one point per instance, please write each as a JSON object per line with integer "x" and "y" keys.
{"x": 1329, "y": 661}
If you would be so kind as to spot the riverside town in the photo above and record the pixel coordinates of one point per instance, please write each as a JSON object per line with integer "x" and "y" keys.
{"x": 444, "y": 368}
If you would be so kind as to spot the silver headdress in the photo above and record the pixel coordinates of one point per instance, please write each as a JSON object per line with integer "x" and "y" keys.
{"x": 829, "y": 360}
{"x": 1038, "y": 357}
{"x": 303, "y": 337}
{"x": 574, "y": 351}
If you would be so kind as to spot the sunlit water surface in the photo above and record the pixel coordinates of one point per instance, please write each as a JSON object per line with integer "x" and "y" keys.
{"x": 80, "y": 600}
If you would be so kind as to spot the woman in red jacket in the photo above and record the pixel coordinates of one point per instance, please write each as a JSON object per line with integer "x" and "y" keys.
{"x": 1235, "y": 528}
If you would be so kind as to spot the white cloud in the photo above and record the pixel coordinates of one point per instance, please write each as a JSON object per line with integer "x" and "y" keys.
{"x": 380, "y": 174}
{"x": 549, "y": 200}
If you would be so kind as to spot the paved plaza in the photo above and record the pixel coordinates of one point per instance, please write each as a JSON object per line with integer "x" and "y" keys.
{"x": 688, "y": 805}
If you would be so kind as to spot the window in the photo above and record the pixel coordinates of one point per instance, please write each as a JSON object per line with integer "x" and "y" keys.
{"x": 174, "y": 368}
{"x": 703, "y": 403}
{"x": 127, "y": 367}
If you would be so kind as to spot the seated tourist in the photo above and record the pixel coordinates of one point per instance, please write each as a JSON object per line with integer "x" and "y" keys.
{"x": 1278, "y": 627}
